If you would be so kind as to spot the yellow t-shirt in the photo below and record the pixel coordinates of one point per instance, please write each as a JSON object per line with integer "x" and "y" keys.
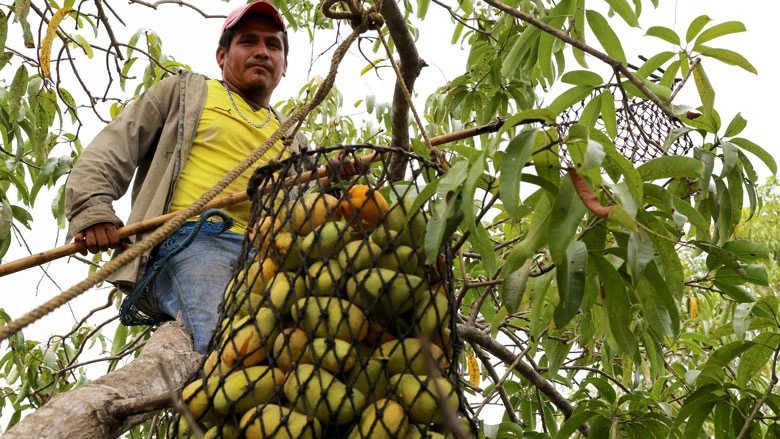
{"x": 222, "y": 140}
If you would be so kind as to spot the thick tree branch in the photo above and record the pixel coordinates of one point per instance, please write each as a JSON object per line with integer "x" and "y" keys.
{"x": 115, "y": 402}
{"x": 612, "y": 62}
{"x": 411, "y": 65}
{"x": 473, "y": 335}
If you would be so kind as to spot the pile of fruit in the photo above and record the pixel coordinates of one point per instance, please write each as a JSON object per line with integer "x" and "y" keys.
{"x": 336, "y": 327}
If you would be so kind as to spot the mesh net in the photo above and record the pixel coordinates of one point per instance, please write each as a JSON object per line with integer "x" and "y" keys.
{"x": 335, "y": 324}
{"x": 642, "y": 128}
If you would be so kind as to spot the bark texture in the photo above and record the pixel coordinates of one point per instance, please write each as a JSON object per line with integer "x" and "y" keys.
{"x": 87, "y": 412}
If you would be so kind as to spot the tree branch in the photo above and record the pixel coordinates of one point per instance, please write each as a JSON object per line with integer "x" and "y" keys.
{"x": 104, "y": 408}
{"x": 473, "y": 335}
{"x": 411, "y": 64}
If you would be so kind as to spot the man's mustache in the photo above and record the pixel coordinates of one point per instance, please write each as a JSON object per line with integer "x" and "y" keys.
{"x": 268, "y": 66}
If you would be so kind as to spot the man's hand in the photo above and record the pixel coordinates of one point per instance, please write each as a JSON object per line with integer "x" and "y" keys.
{"x": 99, "y": 238}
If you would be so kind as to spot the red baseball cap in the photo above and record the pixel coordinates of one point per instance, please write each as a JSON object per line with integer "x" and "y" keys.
{"x": 261, "y": 7}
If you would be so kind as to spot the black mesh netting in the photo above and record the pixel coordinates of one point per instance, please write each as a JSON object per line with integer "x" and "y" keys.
{"x": 335, "y": 324}
{"x": 642, "y": 128}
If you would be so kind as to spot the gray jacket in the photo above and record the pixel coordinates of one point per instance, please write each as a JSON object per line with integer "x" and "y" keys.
{"x": 150, "y": 139}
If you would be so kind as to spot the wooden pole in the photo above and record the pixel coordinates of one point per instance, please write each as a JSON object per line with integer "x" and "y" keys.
{"x": 321, "y": 174}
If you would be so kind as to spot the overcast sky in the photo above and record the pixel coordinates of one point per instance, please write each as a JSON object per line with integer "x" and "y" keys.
{"x": 193, "y": 41}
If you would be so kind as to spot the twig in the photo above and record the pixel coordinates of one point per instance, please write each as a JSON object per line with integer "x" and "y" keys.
{"x": 757, "y": 407}
{"x": 679, "y": 87}
{"x": 615, "y": 64}
{"x": 510, "y": 411}
{"x": 175, "y": 2}
{"x": 102, "y": 17}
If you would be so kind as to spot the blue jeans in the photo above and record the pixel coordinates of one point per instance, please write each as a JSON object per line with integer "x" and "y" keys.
{"x": 193, "y": 282}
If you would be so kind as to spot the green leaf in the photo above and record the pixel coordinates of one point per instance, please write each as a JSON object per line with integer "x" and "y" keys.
{"x": 736, "y": 126}
{"x": 479, "y": 237}
{"x": 18, "y": 87}
{"x": 755, "y": 359}
{"x": 569, "y": 98}
{"x": 511, "y": 64}
{"x": 568, "y": 212}
{"x": 578, "y": 417}
{"x": 663, "y": 299}
{"x": 671, "y": 266}
{"x": 545, "y": 52}
{"x": 706, "y": 92}
{"x": 22, "y": 215}
{"x": 625, "y": 11}
{"x": 756, "y": 150}
{"x": 695, "y": 27}
{"x": 518, "y": 153}
{"x": 514, "y": 287}
{"x": 670, "y": 167}
{"x": 651, "y": 65}
{"x": 753, "y": 273}
{"x": 728, "y": 57}
{"x": 608, "y": 114}
{"x": 422, "y": 8}
{"x": 746, "y": 251}
{"x": 719, "y": 30}
{"x": 3, "y": 31}
{"x": 737, "y": 292}
{"x": 6, "y": 218}
{"x": 660, "y": 197}
{"x": 665, "y": 34}
{"x": 571, "y": 275}
{"x": 630, "y": 174}
{"x": 640, "y": 253}
{"x": 606, "y": 36}
{"x": 534, "y": 239}
{"x": 617, "y": 307}
{"x": 582, "y": 77}
{"x": 654, "y": 312}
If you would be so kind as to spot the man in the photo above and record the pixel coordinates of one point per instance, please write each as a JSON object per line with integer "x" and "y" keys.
{"x": 178, "y": 139}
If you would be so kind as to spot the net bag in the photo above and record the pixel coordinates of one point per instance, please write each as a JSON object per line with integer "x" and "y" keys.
{"x": 335, "y": 325}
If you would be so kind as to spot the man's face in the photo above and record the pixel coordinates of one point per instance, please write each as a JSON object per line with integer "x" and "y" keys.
{"x": 255, "y": 62}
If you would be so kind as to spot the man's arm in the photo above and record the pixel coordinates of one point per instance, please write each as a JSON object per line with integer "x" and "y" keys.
{"x": 104, "y": 170}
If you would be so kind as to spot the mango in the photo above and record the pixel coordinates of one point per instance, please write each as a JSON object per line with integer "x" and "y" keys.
{"x": 260, "y": 234}
{"x": 407, "y": 356}
{"x": 197, "y": 398}
{"x": 214, "y": 365}
{"x": 412, "y": 233}
{"x": 266, "y": 422}
{"x": 389, "y": 290}
{"x": 248, "y": 340}
{"x": 370, "y": 378}
{"x": 363, "y": 207}
{"x": 312, "y": 211}
{"x": 316, "y": 392}
{"x": 358, "y": 255}
{"x": 385, "y": 238}
{"x": 325, "y": 278}
{"x": 226, "y": 431}
{"x": 284, "y": 251}
{"x": 423, "y": 396}
{"x": 283, "y": 290}
{"x": 423, "y": 432}
{"x": 288, "y": 349}
{"x": 333, "y": 355}
{"x": 385, "y": 419}
{"x": 431, "y": 314}
{"x": 245, "y": 388}
{"x": 325, "y": 242}
{"x": 331, "y": 317}
{"x": 402, "y": 259}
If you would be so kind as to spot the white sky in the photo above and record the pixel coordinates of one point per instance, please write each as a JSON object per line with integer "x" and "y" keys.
{"x": 193, "y": 41}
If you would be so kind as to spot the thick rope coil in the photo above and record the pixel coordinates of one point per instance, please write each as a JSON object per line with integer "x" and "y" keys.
{"x": 166, "y": 229}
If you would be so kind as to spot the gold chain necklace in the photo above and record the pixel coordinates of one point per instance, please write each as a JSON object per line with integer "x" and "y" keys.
{"x": 260, "y": 126}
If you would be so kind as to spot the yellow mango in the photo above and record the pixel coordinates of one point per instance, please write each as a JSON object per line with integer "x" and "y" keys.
{"x": 325, "y": 242}
{"x": 284, "y": 251}
{"x": 431, "y": 314}
{"x": 312, "y": 211}
{"x": 242, "y": 389}
{"x": 248, "y": 340}
{"x": 288, "y": 349}
{"x": 316, "y": 392}
{"x": 423, "y": 396}
{"x": 332, "y": 355}
{"x": 226, "y": 431}
{"x": 412, "y": 233}
{"x": 331, "y": 317}
{"x": 198, "y": 399}
{"x": 370, "y": 379}
{"x": 325, "y": 277}
{"x": 266, "y": 423}
{"x": 407, "y": 356}
{"x": 402, "y": 258}
{"x": 393, "y": 292}
{"x": 385, "y": 419}
{"x": 283, "y": 290}
{"x": 358, "y": 255}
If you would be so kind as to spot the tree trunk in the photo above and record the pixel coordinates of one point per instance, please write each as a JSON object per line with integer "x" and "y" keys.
{"x": 94, "y": 411}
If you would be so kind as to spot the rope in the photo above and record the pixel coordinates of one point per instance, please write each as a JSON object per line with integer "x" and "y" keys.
{"x": 361, "y": 21}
